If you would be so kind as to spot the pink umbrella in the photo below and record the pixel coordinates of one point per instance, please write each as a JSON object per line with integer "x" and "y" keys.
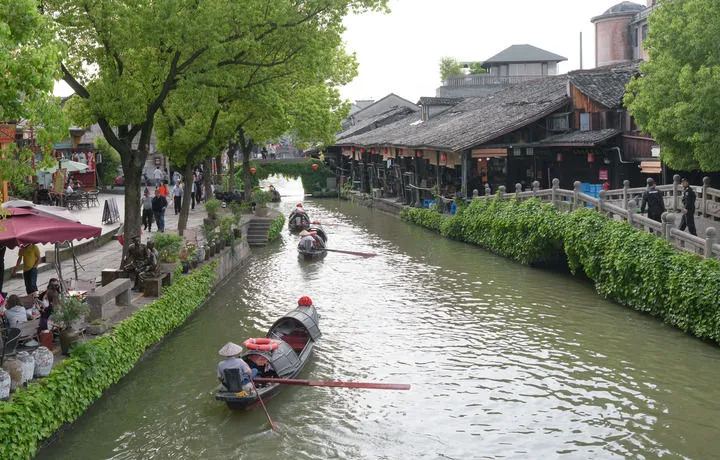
{"x": 25, "y": 226}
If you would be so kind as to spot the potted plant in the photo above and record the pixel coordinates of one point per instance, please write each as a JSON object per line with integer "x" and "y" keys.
{"x": 212, "y": 206}
{"x": 225, "y": 230}
{"x": 209, "y": 235}
{"x": 168, "y": 246}
{"x": 70, "y": 310}
{"x": 261, "y": 199}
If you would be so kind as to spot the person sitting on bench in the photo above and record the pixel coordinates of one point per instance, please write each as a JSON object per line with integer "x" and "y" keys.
{"x": 15, "y": 313}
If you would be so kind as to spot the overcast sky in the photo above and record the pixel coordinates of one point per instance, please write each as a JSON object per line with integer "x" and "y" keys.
{"x": 400, "y": 52}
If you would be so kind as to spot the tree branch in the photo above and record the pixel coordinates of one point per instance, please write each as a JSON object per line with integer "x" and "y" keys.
{"x": 76, "y": 86}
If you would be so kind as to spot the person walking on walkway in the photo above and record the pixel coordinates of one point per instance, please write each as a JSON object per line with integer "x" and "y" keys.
{"x": 653, "y": 199}
{"x": 147, "y": 211}
{"x": 158, "y": 175}
{"x": 29, "y": 255}
{"x": 177, "y": 192}
{"x": 688, "y": 199}
{"x": 194, "y": 195}
{"x": 159, "y": 205}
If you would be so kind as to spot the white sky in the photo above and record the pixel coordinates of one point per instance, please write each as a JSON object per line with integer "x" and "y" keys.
{"x": 400, "y": 52}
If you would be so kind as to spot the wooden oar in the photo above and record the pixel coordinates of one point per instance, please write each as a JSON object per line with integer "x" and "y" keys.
{"x": 264, "y": 408}
{"x": 331, "y": 383}
{"x": 328, "y": 224}
{"x": 353, "y": 253}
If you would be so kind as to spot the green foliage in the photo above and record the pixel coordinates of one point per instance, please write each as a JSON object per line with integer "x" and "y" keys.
{"x": 312, "y": 180}
{"x": 36, "y": 412}
{"x": 225, "y": 229}
{"x": 71, "y": 309}
{"x": 168, "y": 246}
{"x": 276, "y": 227}
{"x": 427, "y": 218}
{"x": 675, "y": 99}
{"x": 261, "y": 197}
{"x": 210, "y": 233}
{"x": 110, "y": 161}
{"x": 477, "y": 68}
{"x": 450, "y": 67}
{"x": 212, "y": 206}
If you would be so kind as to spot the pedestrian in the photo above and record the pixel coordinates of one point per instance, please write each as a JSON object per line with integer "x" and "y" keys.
{"x": 194, "y": 192}
{"x": 163, "y": 189}
{"x": 177, "y": 192}
{"x": 147, "y": 211}
{"x": 158, "y": 175}
{"x": 159, "y": 205}
{"x": 29, "y": 255}
{"x": 688, "y": 199}
{"x": 653, "y": 199}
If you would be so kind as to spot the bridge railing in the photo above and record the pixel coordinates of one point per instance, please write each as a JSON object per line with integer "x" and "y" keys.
{"x": 622, "y": 204}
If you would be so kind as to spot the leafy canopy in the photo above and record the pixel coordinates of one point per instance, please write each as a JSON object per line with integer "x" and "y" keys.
{"x": 450, "y": 67}
{"x": 675, "y": 99}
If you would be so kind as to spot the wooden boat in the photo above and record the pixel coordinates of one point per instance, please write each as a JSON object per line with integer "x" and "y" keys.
{"x": 295, "y": 334}
{"x": 298, "y": 222}
{"x": 315, "y": 251}
{"x": 275, "y": 195}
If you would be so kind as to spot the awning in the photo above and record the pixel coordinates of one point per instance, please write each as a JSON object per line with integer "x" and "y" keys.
{"x": 651, "y": 167}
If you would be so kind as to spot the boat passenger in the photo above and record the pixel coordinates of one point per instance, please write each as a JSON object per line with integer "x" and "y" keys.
{"x": 308, "y": 240}
{"x": 231, "y": 351}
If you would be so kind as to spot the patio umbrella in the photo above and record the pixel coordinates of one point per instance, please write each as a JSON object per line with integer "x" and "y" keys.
{"x": 42, "y": 210}
{"x": 69, "y": 165}
{"x": 25, "y": 226}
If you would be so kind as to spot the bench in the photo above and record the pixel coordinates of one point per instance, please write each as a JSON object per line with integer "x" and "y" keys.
{"x": 119, "y": 289}
{"x": 153, "y": 286}
{"x": 109, "y": 275}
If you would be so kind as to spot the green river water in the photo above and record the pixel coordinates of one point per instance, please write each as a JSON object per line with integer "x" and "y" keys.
{"x": 504, "y": 361}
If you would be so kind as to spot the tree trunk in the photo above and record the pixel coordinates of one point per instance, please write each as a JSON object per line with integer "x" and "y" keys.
{"x": 219, "y": 169}
{"x": 187, "y": 190}
{"x": 231, "y": 167}
{"x": 246, "y": 145}
{"x": 208, "y": 177}
{"x": 133, "y": 163}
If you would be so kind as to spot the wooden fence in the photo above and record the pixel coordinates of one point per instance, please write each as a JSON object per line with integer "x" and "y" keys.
{"x": 622, "y": 204}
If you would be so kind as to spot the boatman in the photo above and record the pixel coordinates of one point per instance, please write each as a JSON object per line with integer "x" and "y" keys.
{"x": 231, "y": 352}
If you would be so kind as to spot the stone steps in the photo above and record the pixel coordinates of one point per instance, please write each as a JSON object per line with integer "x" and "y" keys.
{"x": 257, "y": 233}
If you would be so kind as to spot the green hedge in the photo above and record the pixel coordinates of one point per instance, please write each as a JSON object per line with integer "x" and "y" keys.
{"x": 313, "y": 180}
{"x": 635, "y": 269}
{"x": 34, "y": 414}
{"x": 276, "y": 227}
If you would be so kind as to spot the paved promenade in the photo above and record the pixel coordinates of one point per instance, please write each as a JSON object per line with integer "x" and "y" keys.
{"x": 109, "y": 255}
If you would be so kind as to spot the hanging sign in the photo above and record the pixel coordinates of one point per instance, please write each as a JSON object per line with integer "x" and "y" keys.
{"x": 603, "y": 174}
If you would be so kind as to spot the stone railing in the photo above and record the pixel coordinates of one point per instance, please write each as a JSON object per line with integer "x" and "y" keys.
{"x": 489, "y": 80}
{"x": 622, "y": 204}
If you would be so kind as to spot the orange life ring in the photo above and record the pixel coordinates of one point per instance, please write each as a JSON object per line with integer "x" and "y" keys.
{"x": 261, "y": 344}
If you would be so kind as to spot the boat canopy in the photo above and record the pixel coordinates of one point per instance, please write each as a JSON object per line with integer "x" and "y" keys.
{"x": 284, "y": 359}
{"x": 304, "y": 317}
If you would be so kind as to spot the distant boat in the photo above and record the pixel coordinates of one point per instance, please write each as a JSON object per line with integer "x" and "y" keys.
{"x": 298, "y": 221}
{"x": 315, "y": 249}
{"x": 293, "y": 337}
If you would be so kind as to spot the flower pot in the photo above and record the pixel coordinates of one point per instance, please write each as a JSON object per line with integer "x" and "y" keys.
{"x": 68, "y": 337}
{"x": 14, "y": 368}
{"x": 262, "y": 211}
{"x": 206, "y": 253}
{"x": 43, "y": 362}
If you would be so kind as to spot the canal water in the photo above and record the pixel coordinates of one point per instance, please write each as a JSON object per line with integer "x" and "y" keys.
{"x": 504, "y": 361}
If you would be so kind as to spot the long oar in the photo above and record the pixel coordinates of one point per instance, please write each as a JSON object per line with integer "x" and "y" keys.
{"x": 353, "y": 253}
{"x": 331, "y": 383}
{"x": 264, "y": 408}
{"x": 315, "y": 222}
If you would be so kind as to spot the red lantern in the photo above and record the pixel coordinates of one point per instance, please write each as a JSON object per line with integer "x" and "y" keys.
{"x": 386, "y": 150}
{"x": 591, "y": 158}
{"x": 352, "y": 149}
{"x": 443, "y": 156}
{"x": 342, "y": 149}
{"x": 558, "y": 157}
{"x": 252, "y": 170}
{"x": 314, "y": 166}
{"x": 362, "y": 150}
{"x": 418, "y": 153}
{"x": 373, "y": 151}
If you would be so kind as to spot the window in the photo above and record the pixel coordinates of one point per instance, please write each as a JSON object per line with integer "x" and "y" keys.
{"x": 644, "y": 32}
{"x": 558, "y": 122}
{"x": 635, "y": 36}
{"x": 584, "y": 122}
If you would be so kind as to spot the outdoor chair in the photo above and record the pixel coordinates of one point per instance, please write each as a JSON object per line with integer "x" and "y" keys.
{"x": 74, "y": 200}
{"x": 8, "y": 342}
{"x": 92, "y": 198}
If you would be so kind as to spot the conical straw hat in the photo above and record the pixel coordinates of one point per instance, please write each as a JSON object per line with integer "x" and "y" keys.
{"x": 230, "y": 349}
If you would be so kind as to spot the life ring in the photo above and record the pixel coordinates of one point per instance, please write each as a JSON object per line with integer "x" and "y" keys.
{"x": 261, "y": 344}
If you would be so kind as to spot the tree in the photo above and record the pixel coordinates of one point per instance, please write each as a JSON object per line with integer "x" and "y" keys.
{"x": 450, "y": 67}
{"x": 126, "y": 58}
{"x": 28, "y": 65}
{"x": 675, "y": 98}
{"x": 476, "y": 68}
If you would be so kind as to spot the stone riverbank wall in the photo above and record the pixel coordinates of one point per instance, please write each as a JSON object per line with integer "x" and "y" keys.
{"x": 36, "y": 412}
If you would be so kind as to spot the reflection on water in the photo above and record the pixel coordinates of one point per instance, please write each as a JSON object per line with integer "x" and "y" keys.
{"x": 504, "y": 360}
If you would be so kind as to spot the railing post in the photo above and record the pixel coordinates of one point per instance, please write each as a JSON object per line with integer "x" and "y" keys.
{"x": 705, "y": 187}
{"x": 475, "y": 193}
{"x": 488, "y": 192}
{"x": 518, "y": 189}
{"x": 631, "y": 210}
{"x": 576, "y": 194}
{"x": 555, "y": 185}
{"x": 668, "y": 222}
{"x": 602, "y": 197}
{"x": 626, "y": 193}
{"x": 676, "y": 192}
{"x": 710, "y": 238}
{"x": 535, "y": 187}
{"x": 501, "y": 189}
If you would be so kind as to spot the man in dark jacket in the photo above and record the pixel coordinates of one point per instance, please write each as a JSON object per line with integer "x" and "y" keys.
{"x": 653, "y": 199}
{"x": 159, "y": 205}
{"x": 688, "y": 199}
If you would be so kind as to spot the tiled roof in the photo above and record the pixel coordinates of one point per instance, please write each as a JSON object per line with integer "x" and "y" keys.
{"x": 605, "y": 85}
{"x": 578, "y": 138}
{"x": 439, "y": 100}
{"x": 523, "y": 53}
{"x": 473, "y": 121}
{"x": 368, "y": 124}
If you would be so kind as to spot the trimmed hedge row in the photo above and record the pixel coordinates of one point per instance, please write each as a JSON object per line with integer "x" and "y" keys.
{"x": 635, "y": 269}
{"x": 276, "y": 227}
{"x": 35, "y": 413}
